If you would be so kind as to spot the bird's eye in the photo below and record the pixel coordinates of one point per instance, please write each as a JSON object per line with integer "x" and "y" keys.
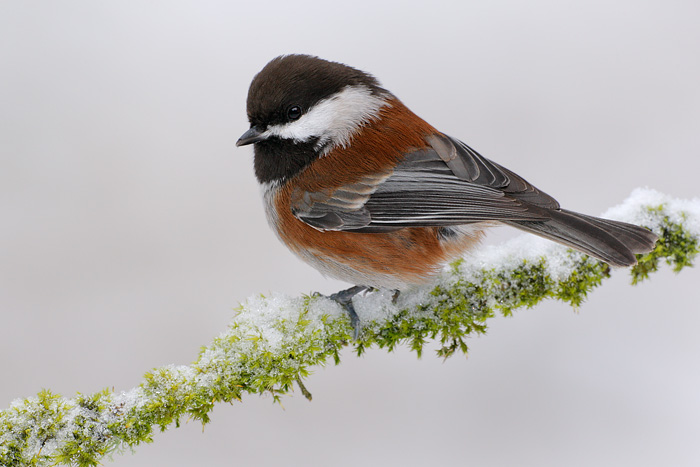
{"x": 294, "y": 112}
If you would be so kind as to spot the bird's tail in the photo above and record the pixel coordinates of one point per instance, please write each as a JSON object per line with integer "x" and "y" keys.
{"x": 614, "y": 242}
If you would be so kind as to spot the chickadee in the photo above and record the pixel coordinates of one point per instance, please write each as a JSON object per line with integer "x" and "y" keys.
{"x": 367, "y": 192}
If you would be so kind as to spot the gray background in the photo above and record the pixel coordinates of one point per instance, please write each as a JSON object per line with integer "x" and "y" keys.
{"x": 131, "y": 225}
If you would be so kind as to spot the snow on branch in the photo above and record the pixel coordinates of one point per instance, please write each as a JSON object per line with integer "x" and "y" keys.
{"x": 274, "y": 340}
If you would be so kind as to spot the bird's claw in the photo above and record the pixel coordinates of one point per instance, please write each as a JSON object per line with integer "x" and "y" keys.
{"x": 344, "y": 299}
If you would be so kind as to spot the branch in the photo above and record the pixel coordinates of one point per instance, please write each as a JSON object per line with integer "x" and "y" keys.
{"x": 274, "y": 340}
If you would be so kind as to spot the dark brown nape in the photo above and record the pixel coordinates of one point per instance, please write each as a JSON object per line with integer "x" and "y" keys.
{"x": 300, "y": 80}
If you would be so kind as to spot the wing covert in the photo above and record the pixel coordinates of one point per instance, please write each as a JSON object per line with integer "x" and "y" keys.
{"x": 444, "y": 184}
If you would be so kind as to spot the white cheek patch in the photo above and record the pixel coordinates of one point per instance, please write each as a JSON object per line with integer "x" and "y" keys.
{"x": 334, "y": 119}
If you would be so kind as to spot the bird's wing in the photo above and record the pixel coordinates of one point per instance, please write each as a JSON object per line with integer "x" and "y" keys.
{"x": 447, "y": 183}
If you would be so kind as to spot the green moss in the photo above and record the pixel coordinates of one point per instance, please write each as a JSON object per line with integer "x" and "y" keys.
{"x": 89, "y": 440}
{"x": 36, "y": 422}
{"x": 524, "y": 286}
{"x": 588, "y": 275}
{"x": 242, "y": 361}
{"x": 676, "y": 246}
{"x": 461, "y": 310}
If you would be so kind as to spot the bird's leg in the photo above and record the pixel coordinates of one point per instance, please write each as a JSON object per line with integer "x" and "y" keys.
{"x": 344, "y": 298}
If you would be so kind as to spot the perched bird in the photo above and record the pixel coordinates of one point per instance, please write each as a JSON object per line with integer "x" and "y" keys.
{"x": 367, "y": 192}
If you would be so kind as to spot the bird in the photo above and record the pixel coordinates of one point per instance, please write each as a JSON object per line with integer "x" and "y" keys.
{"x": 365, "y": 191}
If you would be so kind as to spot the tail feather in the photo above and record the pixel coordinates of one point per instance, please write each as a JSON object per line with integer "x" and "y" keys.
{"x": 637, "y": 239}
{"x": 614, "y": 242}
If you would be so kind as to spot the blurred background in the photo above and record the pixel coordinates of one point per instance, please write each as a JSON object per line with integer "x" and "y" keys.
{"x": 130, "y": 224}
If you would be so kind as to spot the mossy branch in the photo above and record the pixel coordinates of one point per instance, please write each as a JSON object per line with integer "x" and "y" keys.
{"x": 273, "y": 341}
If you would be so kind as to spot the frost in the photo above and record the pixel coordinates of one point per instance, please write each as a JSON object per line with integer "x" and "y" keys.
{"x": 635, "y": 209}
{"x": 375, "y": 306}
{"x": 274, "y": 340}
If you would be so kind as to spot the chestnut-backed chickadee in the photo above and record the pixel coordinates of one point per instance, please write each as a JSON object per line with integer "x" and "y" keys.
{"x": 365, "y": 191}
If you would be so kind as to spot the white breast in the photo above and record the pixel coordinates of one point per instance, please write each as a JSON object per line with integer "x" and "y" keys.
{"x": 269, "y": 191}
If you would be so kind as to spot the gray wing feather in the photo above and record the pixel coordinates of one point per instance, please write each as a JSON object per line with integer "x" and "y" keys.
{"x": 445, "y": 184}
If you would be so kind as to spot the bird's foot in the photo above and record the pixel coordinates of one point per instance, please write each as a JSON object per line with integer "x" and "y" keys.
{"x": 344, "y": 299}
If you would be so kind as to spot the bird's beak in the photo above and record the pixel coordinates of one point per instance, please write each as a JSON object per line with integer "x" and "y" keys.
{"x": 251, "y": 136}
